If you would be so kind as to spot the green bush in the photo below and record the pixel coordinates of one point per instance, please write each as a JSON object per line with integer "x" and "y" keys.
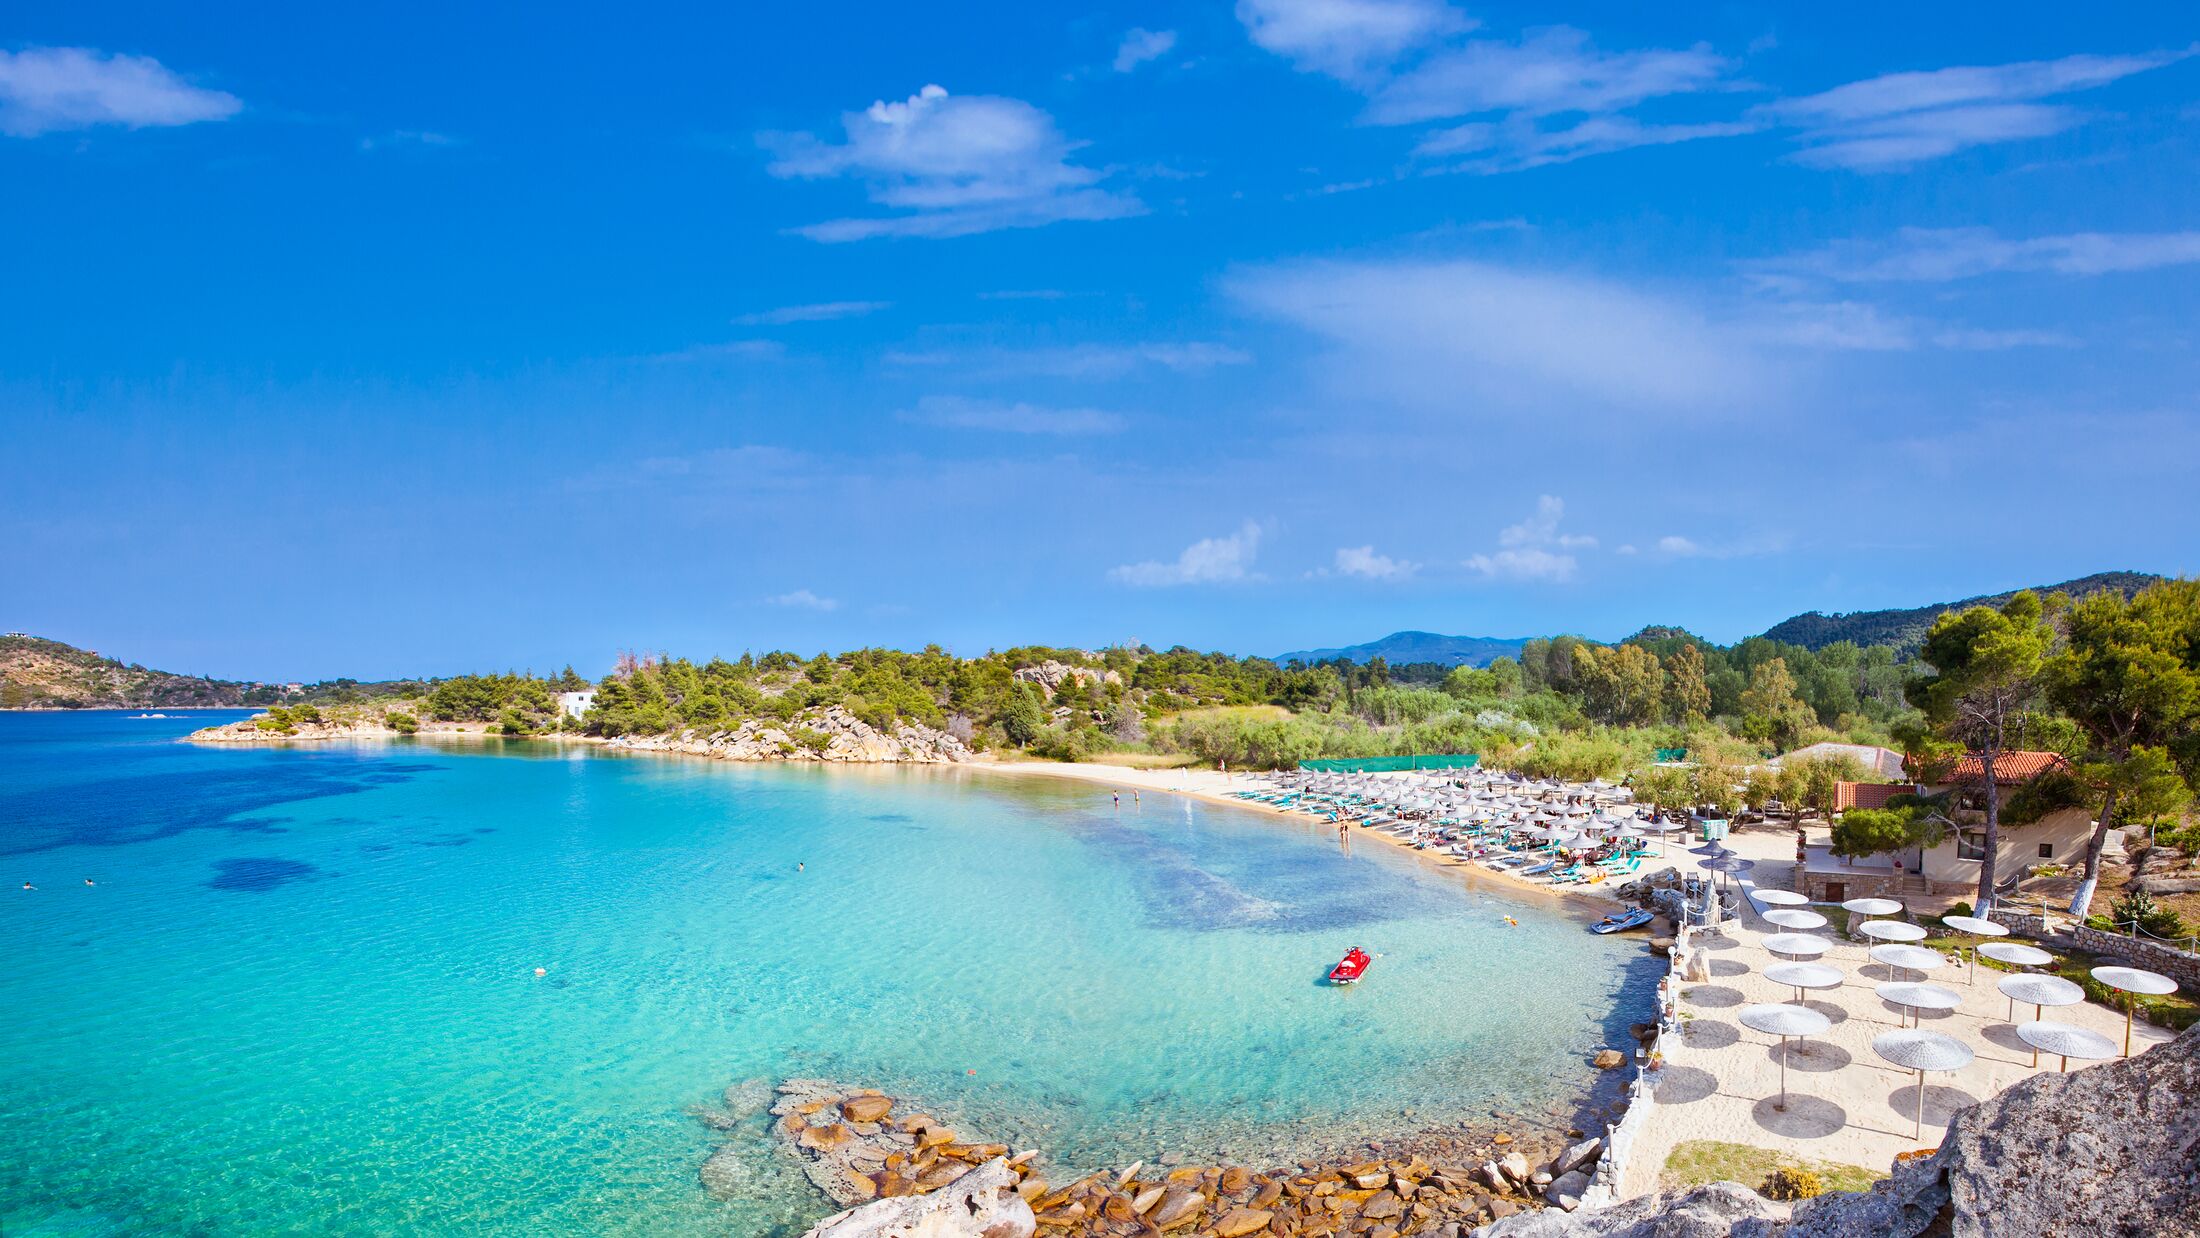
{"x": 2152, "y": 918}
{"x": 1957, "y": 908}
{"x": 400, "y": 722}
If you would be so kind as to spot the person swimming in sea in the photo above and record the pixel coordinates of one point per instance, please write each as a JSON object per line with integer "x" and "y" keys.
{"x": 88, "y": 881}
{"x": 798, "y": 866}
{"x": 28, "y": 886}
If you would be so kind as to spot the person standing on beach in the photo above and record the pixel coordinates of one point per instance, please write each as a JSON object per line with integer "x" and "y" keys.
{"x": 1118, "y": 799}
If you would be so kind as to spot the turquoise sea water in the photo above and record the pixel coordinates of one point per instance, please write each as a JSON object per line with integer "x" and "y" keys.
{"x": 301, "y": 996}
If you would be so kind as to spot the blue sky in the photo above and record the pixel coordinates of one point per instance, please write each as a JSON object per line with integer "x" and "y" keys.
{"x": 422, "y": 341}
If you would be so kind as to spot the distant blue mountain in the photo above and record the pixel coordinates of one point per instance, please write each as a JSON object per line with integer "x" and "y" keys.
{"x": 1399, "y": 648}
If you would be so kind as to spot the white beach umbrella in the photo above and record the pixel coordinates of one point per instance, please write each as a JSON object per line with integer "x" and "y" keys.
{"x": 2016, "y": 954}
{"x": 1891, "y": 930}
{"x": 1915, "y": 997}
{"x": 1872, "y": 906}
{"x": 1780, "y": 898}
{"x": 2065, "y": 1042}
{"x": 1801, "y": 976}
{"x": 1782, "y": 1020}
{"x": 1798, "y": 945}
{"x": 1919, "y": 1050}
{"x": 1974, "y": 928}
{"x": 1795, "y": 918}
{"x": 2132, "y": 981}
{"x": 1908, "y": 958}
{"x": 2038, "y": 992}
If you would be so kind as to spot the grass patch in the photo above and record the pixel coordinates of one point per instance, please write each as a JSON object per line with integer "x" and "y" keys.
{"x": 1708, "y": 1160}
{"x": 2175, "y": 1011}
{"x": 1239, "y": 713}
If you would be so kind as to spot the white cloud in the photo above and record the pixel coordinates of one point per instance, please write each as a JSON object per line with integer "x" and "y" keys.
{"x": 1085, "y": 360}
{"x": 1362, "y": 561}
{"x": 1529, "y": 564}
{"x": 1467, "y": 336}
{"x": 1140, "y": 45}
{"x": 820, "y": 312}
{"x": 803, "y": 599}
{"x": 1678, "y": 547}
{"x": 1857, "y": 326}
{"x": 951, "y": 165}
{"x": 1975, "y": 339}
{"x": 1213, "y": 560}
{"x": 958, "y": 413}
{"x": 49, "y": 89}
{"x": 1520, "y": 143}
{"x": 1547, "y": 73}
{"x": 1900, "y": 119}
{"x": 1534, "y": 549}
{"x": 1939, "y": 255}
{"x": 1347, "y": 39}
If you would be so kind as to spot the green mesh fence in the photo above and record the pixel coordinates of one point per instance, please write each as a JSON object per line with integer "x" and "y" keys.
{"x": 1672, "y": 754}
{"x": 1389, "y": 765}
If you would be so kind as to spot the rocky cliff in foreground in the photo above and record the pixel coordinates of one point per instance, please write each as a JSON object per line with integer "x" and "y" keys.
{"x": 2109, "y": 1151}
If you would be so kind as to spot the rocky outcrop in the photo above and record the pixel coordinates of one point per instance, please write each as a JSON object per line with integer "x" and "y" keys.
{"x": 1051, "y": 675}
{"x": 858, "y": 1146}
{"x": 832, "y": 734}
{"x": 2112, "y": 1150}
{"x": 980, "y": 1204}
{"x": 1713, "y": 1211}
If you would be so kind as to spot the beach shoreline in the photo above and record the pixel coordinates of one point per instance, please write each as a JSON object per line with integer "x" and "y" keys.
{"x": 1214, "y": 787}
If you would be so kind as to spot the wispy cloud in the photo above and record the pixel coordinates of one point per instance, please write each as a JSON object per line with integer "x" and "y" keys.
{"x": 1082, "y": 360}
{"x": 958, "y": 413}
{"x": 730, "y": 350}
{"x": 1939, "y": 255}
{"x": 1901, "y": 119}
{"x": 419, "y": 139}
{"x": 1347, "y": 39}
{"x": 1140, "y": 45}
{"x": 1855, "y": 326}
{"x": 52, "y": 89}
{"x": 951, "y": 165}
{"x": 1550, "y": 97}
{"x": 1213, "y": 560}
{"x": 1469, "y": 335}
{"x": 819, "y": 312}
{"x": 803, "y": 599}
{"x": 1362, "y": 561}
{"x": 1547, "y": 73}
{"x": 1534, "y": 549}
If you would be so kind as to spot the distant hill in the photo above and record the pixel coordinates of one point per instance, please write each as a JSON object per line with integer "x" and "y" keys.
{"x": 1400, "y": 648}
{"x": 36, "y": 673}
{"x": 1905, "y": 629}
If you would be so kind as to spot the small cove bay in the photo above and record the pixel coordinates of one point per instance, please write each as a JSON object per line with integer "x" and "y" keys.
{"x": 301, "y": 995}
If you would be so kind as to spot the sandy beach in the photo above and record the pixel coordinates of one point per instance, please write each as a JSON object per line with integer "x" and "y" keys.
{"x": 1590, "y": 902}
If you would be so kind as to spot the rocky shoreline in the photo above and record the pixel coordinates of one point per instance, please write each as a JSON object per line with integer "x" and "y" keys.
{"x": 878, "y": 1156}
{"x": 830, "y": 735}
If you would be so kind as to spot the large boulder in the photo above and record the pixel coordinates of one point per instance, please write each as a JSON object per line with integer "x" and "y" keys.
{"x": 981, "y": 1204}
{"x": 1715, "y": 1211}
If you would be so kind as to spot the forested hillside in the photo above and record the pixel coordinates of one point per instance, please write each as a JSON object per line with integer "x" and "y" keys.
{"x": 1904, "y": 630}
{"x": 36, "y": 673}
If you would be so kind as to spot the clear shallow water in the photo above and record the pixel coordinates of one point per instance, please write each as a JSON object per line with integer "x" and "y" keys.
{"x": 301, "y": 995}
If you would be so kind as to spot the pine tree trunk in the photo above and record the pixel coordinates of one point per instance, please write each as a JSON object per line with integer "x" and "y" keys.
{"x": 2082, "y": 902}
{"x": 1993, "y": 834}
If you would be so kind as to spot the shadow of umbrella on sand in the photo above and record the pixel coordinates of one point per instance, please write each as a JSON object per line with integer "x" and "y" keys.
{"x": 1920, "y": 1050}
{"x": 1783, "y": 1020}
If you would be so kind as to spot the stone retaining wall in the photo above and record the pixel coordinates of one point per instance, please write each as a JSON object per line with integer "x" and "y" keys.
{"x": 2178, "y": 965}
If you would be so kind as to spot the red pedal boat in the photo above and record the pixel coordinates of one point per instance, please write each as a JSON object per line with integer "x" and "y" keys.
{"x": 1348, "y": 970}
